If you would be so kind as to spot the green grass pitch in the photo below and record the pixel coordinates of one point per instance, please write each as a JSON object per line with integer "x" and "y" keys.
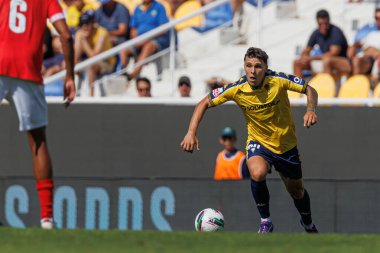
{"x": 67, "y": 241}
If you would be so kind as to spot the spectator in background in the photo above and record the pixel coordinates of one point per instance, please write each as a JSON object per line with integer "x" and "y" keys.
{"x": 216, "y": 82}
{"x": 143, "y": 87}
{"x": 147, "y": 16}
{"x": 215, "y": 17}
{"x": 230, "y": 162}
{"x": 367, "y": 40}
{"x": 115, "y": 18}
{"x": 184, "y": 86}
{"x": 73, "y": 13}
{"x": 55, "y": 63}
{"x": 333, "y": 46}
{"x": 91, "y": 40}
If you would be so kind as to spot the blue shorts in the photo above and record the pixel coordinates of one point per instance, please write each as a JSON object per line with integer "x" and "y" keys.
{"x": 288, "y": 163}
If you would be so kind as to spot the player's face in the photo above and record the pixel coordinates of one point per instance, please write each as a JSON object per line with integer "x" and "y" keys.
{"x": 323, "y": 26}
{"x": 255, "y": 71}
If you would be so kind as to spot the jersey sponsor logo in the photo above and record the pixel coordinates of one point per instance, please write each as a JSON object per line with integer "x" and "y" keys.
{"x": 258, "y": 107}
{"x": 217, "y": 92}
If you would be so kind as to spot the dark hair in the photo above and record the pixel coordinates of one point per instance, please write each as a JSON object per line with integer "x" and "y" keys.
{"x": 143, "y": 79}
{"x": 254, "y": 52}
{"x": 377, "y": 9}
{"x": 323, "y": 14}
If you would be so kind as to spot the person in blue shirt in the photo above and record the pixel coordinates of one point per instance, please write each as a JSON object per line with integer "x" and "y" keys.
{"x": 333, "y": 45}
{"x": 115, "y": 18}
{"x": 367, "y": 41}
{"x": 147, "y": 16}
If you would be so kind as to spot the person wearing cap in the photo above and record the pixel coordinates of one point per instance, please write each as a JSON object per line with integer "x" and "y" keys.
{"x": 91, "y": 40}
{"x": 184, "y": 86}
{"x": 230, "y": 162}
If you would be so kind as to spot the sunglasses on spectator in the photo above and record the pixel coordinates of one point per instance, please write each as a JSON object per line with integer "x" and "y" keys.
{"x": 182, "y": 84}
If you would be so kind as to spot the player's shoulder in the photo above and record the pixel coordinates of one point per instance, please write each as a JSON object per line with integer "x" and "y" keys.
{"x": 277, "y": 75}
{"x": 242, "y": 80}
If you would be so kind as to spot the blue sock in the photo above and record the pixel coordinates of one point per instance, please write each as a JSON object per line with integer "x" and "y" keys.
{"x": 261, "y": 195}
{"x": 303, "y": 207}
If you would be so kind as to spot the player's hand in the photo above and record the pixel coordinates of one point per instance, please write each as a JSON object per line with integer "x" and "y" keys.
{"x": 188, "y": 143}
{"x": 69, "y": 91}
{"x": 309, "y": 119}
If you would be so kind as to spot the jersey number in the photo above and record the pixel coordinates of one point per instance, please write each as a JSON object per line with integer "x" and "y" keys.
{"x": 17, "y": 20}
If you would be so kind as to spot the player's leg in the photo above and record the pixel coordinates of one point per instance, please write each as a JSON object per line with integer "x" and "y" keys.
{"x": 42, "y": 168}
{"x": 258, "y": 168}
{"x": 29, "y": 101}
{"x": 289, "y": 167}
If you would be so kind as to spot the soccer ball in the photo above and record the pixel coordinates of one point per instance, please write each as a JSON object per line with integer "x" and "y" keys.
{"x": 209, "y": 220}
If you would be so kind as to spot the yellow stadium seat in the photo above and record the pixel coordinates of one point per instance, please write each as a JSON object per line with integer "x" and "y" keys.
{"x": 324, "y": 84}
{"x": 130, "y": 4}
{"x": 185, "y": 9}
{"x": 167, "y": 7}
{"x": 376, "y": 92}
{"x": 293, "y": 94}
{"x": 357, "y": 86}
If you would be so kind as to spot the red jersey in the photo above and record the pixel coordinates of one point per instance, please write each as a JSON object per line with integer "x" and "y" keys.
{"x": 22, "y": 29}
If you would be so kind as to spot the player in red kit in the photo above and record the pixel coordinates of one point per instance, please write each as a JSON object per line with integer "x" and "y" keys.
{"x": 22, "y": 26}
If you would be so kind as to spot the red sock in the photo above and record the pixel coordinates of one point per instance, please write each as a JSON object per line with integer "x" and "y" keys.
{"x": 45, "y": 193}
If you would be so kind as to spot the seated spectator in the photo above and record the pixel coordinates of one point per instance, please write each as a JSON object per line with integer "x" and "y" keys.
{"x": 115, "y": 18}
{"x": 143, "y": 87}
{"x": 147, "y": 16}
{"x": 55, "y": 63}
{"x": 91, "y": 40}
{"x": 216, "y": 17}
{"x": 367, "y": 40}
{"x": 230, "y": 162}
{"x": 73, "y": 13}
{"x": 333, "y": 45}
{"x": 184, "y": 86}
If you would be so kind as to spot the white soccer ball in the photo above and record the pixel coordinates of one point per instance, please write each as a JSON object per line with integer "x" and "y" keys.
{"x": 209, "y": 220}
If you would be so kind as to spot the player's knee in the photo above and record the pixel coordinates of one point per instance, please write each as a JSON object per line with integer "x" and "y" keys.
{"x": 258, "y": 174}
{"x": 326, "y": 60}
{"x": 297, "y": 192}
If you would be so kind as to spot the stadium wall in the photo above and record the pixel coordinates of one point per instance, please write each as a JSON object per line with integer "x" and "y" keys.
{"x": 120, "y": 166}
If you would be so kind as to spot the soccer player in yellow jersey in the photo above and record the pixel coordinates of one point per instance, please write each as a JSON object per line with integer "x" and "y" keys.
{"x": 262, "y": 96}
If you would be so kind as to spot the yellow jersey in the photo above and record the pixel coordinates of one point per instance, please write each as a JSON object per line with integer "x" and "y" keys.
{"x": 266, "y": 109}
{"x": 73, "y": 15}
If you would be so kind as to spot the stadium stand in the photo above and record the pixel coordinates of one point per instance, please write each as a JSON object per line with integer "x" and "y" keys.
{"x": 272, "y": 34}
{"x": 357, "y": 86}
{"x": 324, "y": 84}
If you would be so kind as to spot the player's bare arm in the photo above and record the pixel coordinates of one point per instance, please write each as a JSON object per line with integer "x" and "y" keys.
{"x": 190, "y": 138}
{"x": 310, "y": 117}
{"x": 68, "y": 52}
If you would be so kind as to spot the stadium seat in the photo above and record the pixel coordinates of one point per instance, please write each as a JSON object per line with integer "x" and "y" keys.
{"x": 185, "y": 9}
{"x": 357, "y": 86}
{"x": 376, "y": 92}
{"x": 324, "y": 84}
